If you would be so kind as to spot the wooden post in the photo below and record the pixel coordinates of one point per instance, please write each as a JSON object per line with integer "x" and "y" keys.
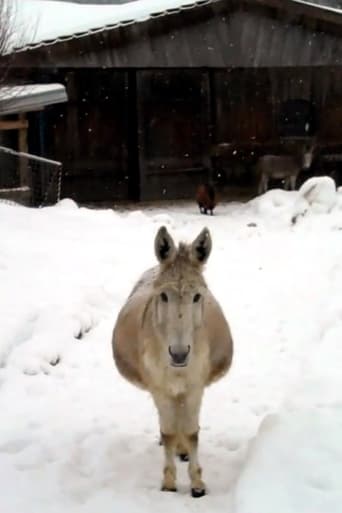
{"x": 72, "y": 120}
{"x": 206, "y": 122}
{"x": 132, "y": 131}
{"x": 140, "y": 91}
{"x": 23, "y": 147}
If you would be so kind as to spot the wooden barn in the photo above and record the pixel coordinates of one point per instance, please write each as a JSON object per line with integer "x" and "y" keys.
{"x": 159, "y": 102}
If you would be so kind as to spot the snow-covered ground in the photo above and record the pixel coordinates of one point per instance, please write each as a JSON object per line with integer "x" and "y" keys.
{"x": 75, "y": 437}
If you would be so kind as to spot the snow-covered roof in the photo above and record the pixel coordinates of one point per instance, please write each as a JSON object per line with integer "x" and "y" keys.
{"x": 320, "y": 5}
{"x": 41, "y": 23}
{"x": 337, "y": 4}
{"x": 25, "y": 98}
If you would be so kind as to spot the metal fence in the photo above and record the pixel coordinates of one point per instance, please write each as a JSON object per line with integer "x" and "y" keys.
{"x": 29, "y": 179}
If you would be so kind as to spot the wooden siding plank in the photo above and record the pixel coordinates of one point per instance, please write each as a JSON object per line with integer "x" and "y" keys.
{"x": 13, "y": 125}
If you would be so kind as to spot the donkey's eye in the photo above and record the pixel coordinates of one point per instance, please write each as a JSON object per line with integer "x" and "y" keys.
{"x": 164, "y": 297}
{"x": 197, "y": 297}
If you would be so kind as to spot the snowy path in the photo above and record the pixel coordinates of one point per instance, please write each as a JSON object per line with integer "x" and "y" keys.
{"x": 75, "y": 437}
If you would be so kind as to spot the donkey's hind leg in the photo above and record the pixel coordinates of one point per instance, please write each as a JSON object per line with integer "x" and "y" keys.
{"x": 293, "y": 180}
{"x": 182, "y": 451}
{"x": 160, "y": 441}
{"x": 263, "y": 183}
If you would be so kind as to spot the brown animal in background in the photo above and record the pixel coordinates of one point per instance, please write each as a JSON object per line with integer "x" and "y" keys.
{"x": 172, "y": 339}
{"x": 206, "y": 198}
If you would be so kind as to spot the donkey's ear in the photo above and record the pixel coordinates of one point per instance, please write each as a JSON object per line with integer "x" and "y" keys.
{"x": 201, "y": 247}
{"x": 164, "y": 246}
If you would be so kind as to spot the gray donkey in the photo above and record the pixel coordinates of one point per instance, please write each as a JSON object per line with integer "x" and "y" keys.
{"x": 172, "y": 339}
{"x": 287, "y": 167}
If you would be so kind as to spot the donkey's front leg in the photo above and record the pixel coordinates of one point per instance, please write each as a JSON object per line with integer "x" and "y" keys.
{"x": 168, "y": 438}
{"x": 195, "y": 470}
{"x": 190, "y": 431}
{"x": 169, "y": 479}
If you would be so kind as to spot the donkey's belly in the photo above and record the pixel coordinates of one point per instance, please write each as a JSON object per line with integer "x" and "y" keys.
{"x": 280, "y": 174}
{"x": 278, "y": 166}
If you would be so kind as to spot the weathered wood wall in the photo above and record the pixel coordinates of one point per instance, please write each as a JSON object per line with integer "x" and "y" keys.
{"x": 248, "y": 101}
{"x": 247, "y": 107}
{"x": 173, "y": 127}
{"x": 148, "y": 134}
{"x": 90, "y": 135}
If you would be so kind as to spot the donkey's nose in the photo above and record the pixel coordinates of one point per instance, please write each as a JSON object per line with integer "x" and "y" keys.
{"x": 178, "y": 358}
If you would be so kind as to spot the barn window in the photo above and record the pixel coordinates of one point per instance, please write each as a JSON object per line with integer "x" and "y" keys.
{"x": 297, "y": 118}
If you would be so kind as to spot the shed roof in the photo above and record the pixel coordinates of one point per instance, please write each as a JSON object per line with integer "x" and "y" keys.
{"x": 26, "y": 98}
{"x": 49, "y": 22}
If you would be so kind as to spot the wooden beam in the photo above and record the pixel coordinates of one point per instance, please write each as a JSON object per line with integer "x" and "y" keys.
{"x": 23, "y": 147}
{"x": 73, "y": 116}
{"x": 142, "y": 161}
{"x": 205, "y": 117}
{"x": 14, "y": 125}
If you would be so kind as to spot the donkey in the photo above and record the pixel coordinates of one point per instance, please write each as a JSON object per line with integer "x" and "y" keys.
{"x": 172, "y": 339}
{"x": 287, "y": 167}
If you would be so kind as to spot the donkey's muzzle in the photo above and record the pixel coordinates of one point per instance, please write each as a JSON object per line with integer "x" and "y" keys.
{"x": 179, "y": 358}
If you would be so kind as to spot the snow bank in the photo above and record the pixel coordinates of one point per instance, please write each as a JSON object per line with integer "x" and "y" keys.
{"x": 295, "y": 461}
{"x": 275, "y": 206}
{"x": 67, "y": 203}
{"x": 294, "y": 465}
{"x": 317, "y": 195}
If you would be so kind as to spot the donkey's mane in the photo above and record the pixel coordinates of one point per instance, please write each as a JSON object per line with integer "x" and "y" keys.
{"x": 182, "y": 268}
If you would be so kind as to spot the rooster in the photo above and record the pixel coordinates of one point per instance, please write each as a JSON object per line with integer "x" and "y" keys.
{"x": 206, "y": 198}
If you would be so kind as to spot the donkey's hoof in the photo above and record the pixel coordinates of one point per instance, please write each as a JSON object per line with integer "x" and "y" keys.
{"x": 167, "y": 489}
{"x": 184, "y": 456}
{"x": 197, "y": 492}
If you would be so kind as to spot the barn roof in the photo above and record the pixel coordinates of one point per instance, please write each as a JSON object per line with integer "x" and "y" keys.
{"x": 49, "y": 22}
{"x": 46, "y": 23}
